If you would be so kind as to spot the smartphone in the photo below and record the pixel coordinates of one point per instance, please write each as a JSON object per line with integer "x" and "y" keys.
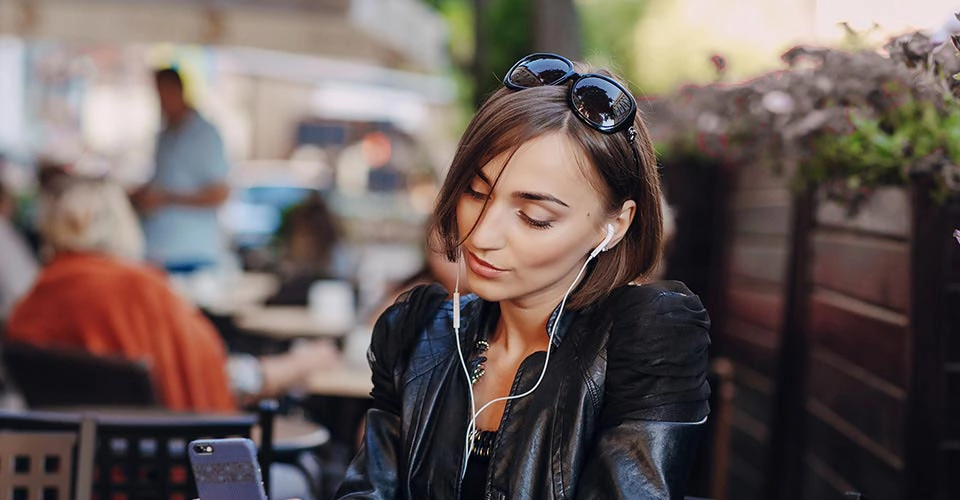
{"x": 226, "y": 469}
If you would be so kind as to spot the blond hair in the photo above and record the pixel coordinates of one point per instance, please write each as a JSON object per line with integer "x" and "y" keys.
{"x": 93, "y": 216}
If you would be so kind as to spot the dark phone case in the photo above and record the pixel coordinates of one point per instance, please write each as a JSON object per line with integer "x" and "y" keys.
{"x": 231, "y": 472}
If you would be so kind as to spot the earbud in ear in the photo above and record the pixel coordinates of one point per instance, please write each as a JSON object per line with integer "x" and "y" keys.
{"x": 603, "y": 244}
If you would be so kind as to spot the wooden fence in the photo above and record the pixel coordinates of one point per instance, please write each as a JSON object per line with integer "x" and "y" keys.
{"x": 844, "y": 335}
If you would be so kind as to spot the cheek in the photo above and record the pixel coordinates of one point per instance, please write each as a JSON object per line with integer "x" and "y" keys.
{"x": 467, "y": 215}
{"x": 549, "y": 252}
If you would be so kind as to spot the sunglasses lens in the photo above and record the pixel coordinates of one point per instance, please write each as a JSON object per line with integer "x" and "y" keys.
{"x": 602, "y": 102}
{"x": 537, "y": 71}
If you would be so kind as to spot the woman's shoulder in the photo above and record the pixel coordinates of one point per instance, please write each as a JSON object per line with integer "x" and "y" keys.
{"x": 398, "y": 324}
{"x": 663, "y": 310}
{"x": 657, "y": 353}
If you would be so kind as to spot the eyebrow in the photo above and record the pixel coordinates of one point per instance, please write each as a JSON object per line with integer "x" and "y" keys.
{"x": 525, "y": 195}
{"x": 539, "y": 197}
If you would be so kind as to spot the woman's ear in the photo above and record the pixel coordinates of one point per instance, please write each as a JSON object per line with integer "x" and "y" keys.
{"x": 621, "y": 223}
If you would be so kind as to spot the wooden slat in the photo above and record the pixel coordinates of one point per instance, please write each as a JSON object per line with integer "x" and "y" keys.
{"x": 872, "y": 405}
{"x": 761, "y": 220}
{"x": 763, "y": 309}
{"x": 779, "y": 196}
{"x": 745, "y": 481}
{"x": 865, "y": 465}
{"x": 747, "y": 344}
{"x": 871, "y": 269}
{"x": 759, "y": 261}
{"x": 755, "y": 403}
{"x": 868, "y": 336}
{"x": 747, "y": 472}
{"x": 757, "y": 176}
{"x": 821, "y": 482}
{"x": 886, "y": 212}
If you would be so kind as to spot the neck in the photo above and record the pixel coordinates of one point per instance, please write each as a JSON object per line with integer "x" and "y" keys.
{"x": 176, "y": 118}
{"x": 523, "y": 325}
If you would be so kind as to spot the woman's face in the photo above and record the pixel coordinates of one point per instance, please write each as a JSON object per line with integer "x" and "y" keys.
{"x": 541, "y": 220}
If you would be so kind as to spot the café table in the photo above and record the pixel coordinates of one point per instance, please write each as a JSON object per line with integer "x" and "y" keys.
{"x": 287, "y": 323}
{"x": 349, "y": 379}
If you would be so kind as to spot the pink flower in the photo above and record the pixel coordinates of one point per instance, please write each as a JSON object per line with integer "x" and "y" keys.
{"x": 956, "y": 234}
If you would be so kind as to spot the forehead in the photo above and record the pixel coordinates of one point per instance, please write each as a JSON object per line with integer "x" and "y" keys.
{"x": 551, "y": 163}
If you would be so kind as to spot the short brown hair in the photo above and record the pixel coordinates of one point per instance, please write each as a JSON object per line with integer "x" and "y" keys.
{"x": 509, "y": 119}
{"x": 168, "y": 76}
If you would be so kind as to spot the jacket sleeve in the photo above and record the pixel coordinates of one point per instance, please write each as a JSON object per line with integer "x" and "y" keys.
{"x": 373, "y": 473}
{"x": 655, "y": 396}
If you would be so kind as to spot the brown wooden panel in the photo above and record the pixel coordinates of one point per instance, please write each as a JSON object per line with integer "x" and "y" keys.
{"x": 841, "y": 447}
{"x": 760, "y": 220}
{"x": 868, "y": 336}
{"x": 886, "y": 212}
{"x": 747, "y": 344}
{"x": 872, "y": 269}
{"x": 755, "y": 405}
{"x": 748, "y": 436}
{"x": 743, "y": 481}
{"x": 821, "y": 482}
{"x": 873, "y": 406}
{"x": 760, "y": 198}
{"x": 759, "y": 261}
{"x": 748, "y": 458}
{"x": 761, "y": 308}
{"x": 757, "y": 176}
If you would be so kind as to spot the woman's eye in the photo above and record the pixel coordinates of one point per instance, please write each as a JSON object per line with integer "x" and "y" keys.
{"x": 473, "y": 193}
{"x": 536, "y": 223}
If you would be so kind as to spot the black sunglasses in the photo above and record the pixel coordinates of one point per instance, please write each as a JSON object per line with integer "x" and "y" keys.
{"x": 598, "y": 100}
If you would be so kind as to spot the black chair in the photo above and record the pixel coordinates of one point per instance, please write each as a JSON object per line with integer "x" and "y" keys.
{"x": 145, "y": 457}
{"x": 142, "y": 454}
{"x": 46, "y": 456}
{"x": 60, "y": 377}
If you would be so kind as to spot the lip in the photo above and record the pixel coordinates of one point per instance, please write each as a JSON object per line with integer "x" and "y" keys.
{"x": 481, "y": 267}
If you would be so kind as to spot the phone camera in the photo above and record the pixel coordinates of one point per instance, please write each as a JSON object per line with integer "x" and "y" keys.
{"x": 203, "y": 449}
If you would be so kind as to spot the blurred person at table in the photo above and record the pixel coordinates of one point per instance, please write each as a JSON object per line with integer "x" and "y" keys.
{"x": 308, "y": 242}
{"x": 179, "y": 204}
{"x": 18, "y": 266}
{"x": 96, "y": 295}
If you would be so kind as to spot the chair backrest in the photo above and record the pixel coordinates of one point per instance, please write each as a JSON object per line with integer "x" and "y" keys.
{"x": 57, "y": 377}
{"x": 45, "y": 457}
{"x": 141, "y": 454}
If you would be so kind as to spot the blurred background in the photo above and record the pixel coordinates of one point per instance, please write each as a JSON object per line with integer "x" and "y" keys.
{"x": 810, "y": 162}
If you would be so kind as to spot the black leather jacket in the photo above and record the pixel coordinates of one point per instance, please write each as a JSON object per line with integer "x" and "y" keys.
{"x": 616, "y": 415}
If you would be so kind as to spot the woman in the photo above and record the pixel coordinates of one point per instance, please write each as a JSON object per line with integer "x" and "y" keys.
{"x": 96, "y": 295}
{"x": 558, "y": 377}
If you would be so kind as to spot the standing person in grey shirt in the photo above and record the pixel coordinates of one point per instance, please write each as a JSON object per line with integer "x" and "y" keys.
{"x": 179, "y": 204}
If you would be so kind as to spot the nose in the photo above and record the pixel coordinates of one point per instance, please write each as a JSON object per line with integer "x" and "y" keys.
{"x": 488, "y": 232}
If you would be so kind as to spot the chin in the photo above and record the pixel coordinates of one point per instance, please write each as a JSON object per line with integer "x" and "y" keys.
{"x": 487, "y": 289}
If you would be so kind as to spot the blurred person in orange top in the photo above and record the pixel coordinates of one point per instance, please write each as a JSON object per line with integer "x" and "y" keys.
{"x": 97, "y": 296}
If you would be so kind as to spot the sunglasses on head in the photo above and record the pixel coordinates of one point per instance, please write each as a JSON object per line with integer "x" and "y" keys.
{"x": 597, "y": 100}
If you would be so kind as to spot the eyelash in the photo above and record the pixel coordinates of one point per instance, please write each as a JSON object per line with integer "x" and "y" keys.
{"x": 475, "y": 194}
{"x": 534, "y": 223}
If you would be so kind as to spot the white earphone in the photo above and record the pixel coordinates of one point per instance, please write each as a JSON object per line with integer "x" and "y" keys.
{"x": 472, "y": 425}
{"x": 602, "y": 247}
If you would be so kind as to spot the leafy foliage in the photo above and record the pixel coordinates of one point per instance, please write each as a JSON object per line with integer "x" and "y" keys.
{"x": 848, "y": 121}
